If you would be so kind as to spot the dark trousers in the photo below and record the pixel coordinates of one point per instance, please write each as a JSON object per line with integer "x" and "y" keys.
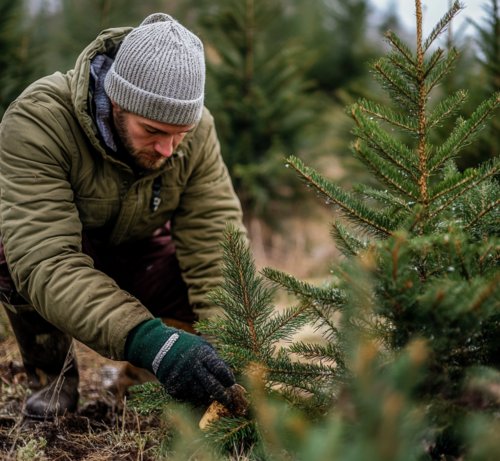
{"x": 147, "y": 269}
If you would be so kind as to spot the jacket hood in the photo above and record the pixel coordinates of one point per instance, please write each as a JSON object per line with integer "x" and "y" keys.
{"x": 107, "y": 43}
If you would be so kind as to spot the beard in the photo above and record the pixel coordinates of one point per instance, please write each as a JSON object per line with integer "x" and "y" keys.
{"x": 147, "y": 159}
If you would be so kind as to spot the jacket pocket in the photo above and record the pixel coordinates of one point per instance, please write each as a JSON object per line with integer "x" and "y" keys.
{"x": 96, "y": 212}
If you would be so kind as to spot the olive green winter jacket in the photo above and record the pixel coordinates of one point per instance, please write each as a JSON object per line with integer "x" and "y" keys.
{"x": 56, "y": 180}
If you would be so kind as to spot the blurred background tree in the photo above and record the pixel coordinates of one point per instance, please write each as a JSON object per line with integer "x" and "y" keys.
{"x": 338, "y": 31}
{"x": 477, "y": 69}
{"x": 488, "y": 42}
{"x": 263, "y": 103}
{"x": 20, "y": 61}
{"x": 76, "y": 23}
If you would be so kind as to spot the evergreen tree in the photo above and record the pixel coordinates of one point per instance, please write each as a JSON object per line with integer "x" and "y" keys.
{"x": 247, "y": 339}
{"x": 19, "y": 58}
{"x": 423, "y": 261}
{"x": 339, "y": 31}
{"x": 76, "y": 24}
{"x": 477, "y": 74}
{"x": 259, "y": 96}
{"x": 488, "y": 43}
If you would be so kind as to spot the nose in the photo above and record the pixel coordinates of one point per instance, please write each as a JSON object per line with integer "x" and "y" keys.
{"x": 164, "y": 146}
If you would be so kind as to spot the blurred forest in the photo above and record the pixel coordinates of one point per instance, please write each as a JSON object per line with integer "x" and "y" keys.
{"x": 279, "y": 74}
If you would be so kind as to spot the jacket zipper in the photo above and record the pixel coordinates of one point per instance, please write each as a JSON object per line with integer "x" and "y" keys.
{"x": 155, "y": 198}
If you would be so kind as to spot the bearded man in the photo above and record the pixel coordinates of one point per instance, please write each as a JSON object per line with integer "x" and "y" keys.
{"x": 113, "y": 199}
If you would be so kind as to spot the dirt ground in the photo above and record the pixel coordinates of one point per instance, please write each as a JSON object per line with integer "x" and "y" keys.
{"x": 102, "y": 428}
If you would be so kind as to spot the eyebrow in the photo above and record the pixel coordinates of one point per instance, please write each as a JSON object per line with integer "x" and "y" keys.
{"x": 166, "y": 132}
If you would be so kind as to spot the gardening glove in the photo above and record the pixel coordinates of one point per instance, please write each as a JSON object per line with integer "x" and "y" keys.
{"x": 186, "y": 365}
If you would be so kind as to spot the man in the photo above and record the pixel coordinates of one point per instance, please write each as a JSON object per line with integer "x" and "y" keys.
{"x": 113, "y": 199}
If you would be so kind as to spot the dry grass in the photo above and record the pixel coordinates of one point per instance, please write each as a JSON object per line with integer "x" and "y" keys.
{"x": 102, "y": 429}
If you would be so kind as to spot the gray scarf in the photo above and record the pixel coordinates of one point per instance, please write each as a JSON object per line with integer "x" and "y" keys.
{"x": 99, "y": 67}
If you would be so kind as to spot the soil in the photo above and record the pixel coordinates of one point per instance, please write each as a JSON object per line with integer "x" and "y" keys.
{"x": 101, "y": 429}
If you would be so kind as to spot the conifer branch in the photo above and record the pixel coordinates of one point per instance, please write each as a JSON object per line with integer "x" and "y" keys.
{"x": 383, "y": 114}
{"x": 445, "y": 187}
{"x": 392, "y": 149}
{"x": 421, "y": 109}
{"x": 438, "y": 210}
{"x": 485, "y": 294}
{"x": 148, "y": 397}
{"x": 401, "y": 63}
{"x": 317, "y": 352}
{"x": 395, "y": 258}
{"x": 300, "y": 369}
{"x": 440, "y": 27}
{"x": 462, "y": 261}
{"x": 377, "y": 145}
{"x": 482, "y": 258}
{"x": 400, "y": 46}
{"x": 234, "y": 255}
{"x": 440, "y": 73}
{"x": 349, "y": 245}
{"x": 433, "y": 61}
{"x": 393, "y": 80}
{"x": 446, "y": 108}
{"x": 241, "y": 295}
{"x": 216, "y": 329}
{"x": 218, "y": 298}
{"x": 325, "y": 320}
{"x": 397, "y": 306}
{"x": 354, "y": 284}
{"x": 385, "y": 198}
{"x": 354, "y": 209}
{"x": 304, "y": 289}
{"x": 285, "y": 320}
{"x": 480, "y": 215}
{"x": 376, "y": 166}
{"x": 227, "y": 433}
{"x": 237, "y": 429}
{"x": 463, "y": 132}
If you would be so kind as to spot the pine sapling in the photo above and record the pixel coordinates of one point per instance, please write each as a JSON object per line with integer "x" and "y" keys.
{"x": 248, "y": 337}
{"x": 422, "y": 250}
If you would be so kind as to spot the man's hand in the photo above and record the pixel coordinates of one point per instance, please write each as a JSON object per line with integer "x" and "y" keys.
{"x": 192, "y": 371}
{"x": 186, "y": 365}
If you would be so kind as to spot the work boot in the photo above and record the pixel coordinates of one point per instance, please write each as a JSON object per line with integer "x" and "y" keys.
{"x": 130, "y": 375}
{"x": 52, "y": 372}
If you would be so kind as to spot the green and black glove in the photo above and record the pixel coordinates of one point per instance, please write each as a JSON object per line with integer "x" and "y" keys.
{"x": 186, "y": 365}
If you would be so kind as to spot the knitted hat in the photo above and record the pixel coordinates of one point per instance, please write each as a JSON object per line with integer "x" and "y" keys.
{"x": 159, "y": 72}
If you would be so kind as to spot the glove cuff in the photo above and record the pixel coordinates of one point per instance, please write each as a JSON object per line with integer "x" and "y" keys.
{"x": 148, "y": 343}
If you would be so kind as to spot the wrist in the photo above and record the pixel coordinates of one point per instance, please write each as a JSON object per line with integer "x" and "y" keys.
{"x": 148, "y": 344}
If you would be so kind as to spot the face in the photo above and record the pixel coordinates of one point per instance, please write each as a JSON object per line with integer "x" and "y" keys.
{"x": 149, "y": 143}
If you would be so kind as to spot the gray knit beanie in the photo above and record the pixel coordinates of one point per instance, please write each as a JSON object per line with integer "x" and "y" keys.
{"x": 159, "y": 72}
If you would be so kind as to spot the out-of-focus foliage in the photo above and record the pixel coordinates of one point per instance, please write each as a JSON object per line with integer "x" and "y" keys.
{"x": 76, "y": 23}
{"x": 258, "y": 92}
{"x": 339, "y": 32}
{"x": 488, "y": 43}
{"x": 19, "y": 55}
{"x": 477, "y": 69}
